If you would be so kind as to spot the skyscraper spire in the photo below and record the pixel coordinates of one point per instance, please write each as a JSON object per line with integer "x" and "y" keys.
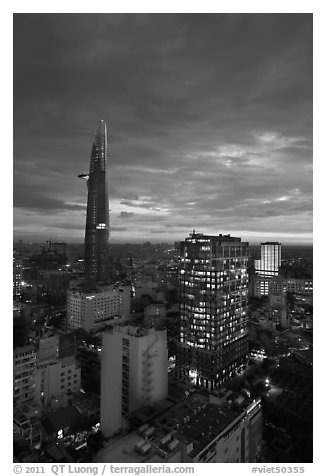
{"x": 97, "y": 218}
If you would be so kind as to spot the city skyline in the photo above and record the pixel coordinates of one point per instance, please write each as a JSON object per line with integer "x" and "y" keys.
{"x": 209, "y": 120}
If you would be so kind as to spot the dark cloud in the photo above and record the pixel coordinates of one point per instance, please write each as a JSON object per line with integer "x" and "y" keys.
{"x": 210, "y": 120}
{"x": 126, "y": 214}
{"x": 38, "y": 201}
{"x": 119, "y": 228}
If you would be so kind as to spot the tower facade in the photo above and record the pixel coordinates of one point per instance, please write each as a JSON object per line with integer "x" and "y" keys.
{"x": 268, "y": 265}
{"x": 24, "y": 367}
{"x": 270, "y": 259}
{"x": 97, "y": 218}
{"x": 134, "y": 373}
{"x": 214, "y": 336}
{"x": 17, "y": 275}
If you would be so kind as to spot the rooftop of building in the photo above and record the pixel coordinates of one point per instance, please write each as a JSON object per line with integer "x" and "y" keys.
{"x": 219, "y": 238}
{"x": 191, "y": 423}
{"x": 83, "y": 288}
{"x": 86, "y": 402}
{"x": 24, "y": 412}
{"x": 25, "y": 348}
{"x": 20, "y": 416}
{"x": 59, "y": 453}
{"x": 133, "y": 331}
{"x": 304, "y": 356}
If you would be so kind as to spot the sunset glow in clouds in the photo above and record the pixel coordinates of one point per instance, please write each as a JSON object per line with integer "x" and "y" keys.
{"x": 209, "y": 117}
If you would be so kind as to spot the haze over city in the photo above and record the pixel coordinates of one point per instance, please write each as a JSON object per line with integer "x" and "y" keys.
{"x": 209, "y": 117}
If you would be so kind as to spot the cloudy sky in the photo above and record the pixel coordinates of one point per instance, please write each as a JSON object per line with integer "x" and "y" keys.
{"x": 209, "y": 118}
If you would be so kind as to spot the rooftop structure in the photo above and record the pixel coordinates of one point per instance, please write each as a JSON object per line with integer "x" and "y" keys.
{"x": 194, "y": 430}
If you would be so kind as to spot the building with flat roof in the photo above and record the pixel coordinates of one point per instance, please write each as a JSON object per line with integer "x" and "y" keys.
{"x": 134, "y": 373}
{"x": 93, "y": 307}
{"x": 290, "y": 285}
{"x": 262, "y": 285}
{"x": 213, "y": 305}
{"x": 200, "y": 429}
{"x": 268, "y": 265}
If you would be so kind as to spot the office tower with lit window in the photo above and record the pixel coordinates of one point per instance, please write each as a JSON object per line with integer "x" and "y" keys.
{"x": 213, "y": 305}
{"x": 270, "y": 259}
{"x": 17, "y": 275}
{"x": 268, "y": 265}
{"x": 97, "y": 217}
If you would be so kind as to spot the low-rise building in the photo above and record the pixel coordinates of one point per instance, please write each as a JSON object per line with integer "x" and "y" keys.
{"x": 264, "y": 285}
{"x": 278, "y": 311}
{"x": 149, "y": 288}
{"x": 280, "y": 284}
{"x": 55, "y": 380}
{"x": 91, "y": 308}
{"x": 27, "y": 425}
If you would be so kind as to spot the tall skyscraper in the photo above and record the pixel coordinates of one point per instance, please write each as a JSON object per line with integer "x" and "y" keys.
{"x": 94, "y": 301}
{"x": 213, "y": 305}
{"x": 97, "y": 218}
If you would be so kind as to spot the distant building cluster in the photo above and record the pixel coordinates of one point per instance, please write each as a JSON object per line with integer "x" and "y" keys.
{"x": 260, "y": 286}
